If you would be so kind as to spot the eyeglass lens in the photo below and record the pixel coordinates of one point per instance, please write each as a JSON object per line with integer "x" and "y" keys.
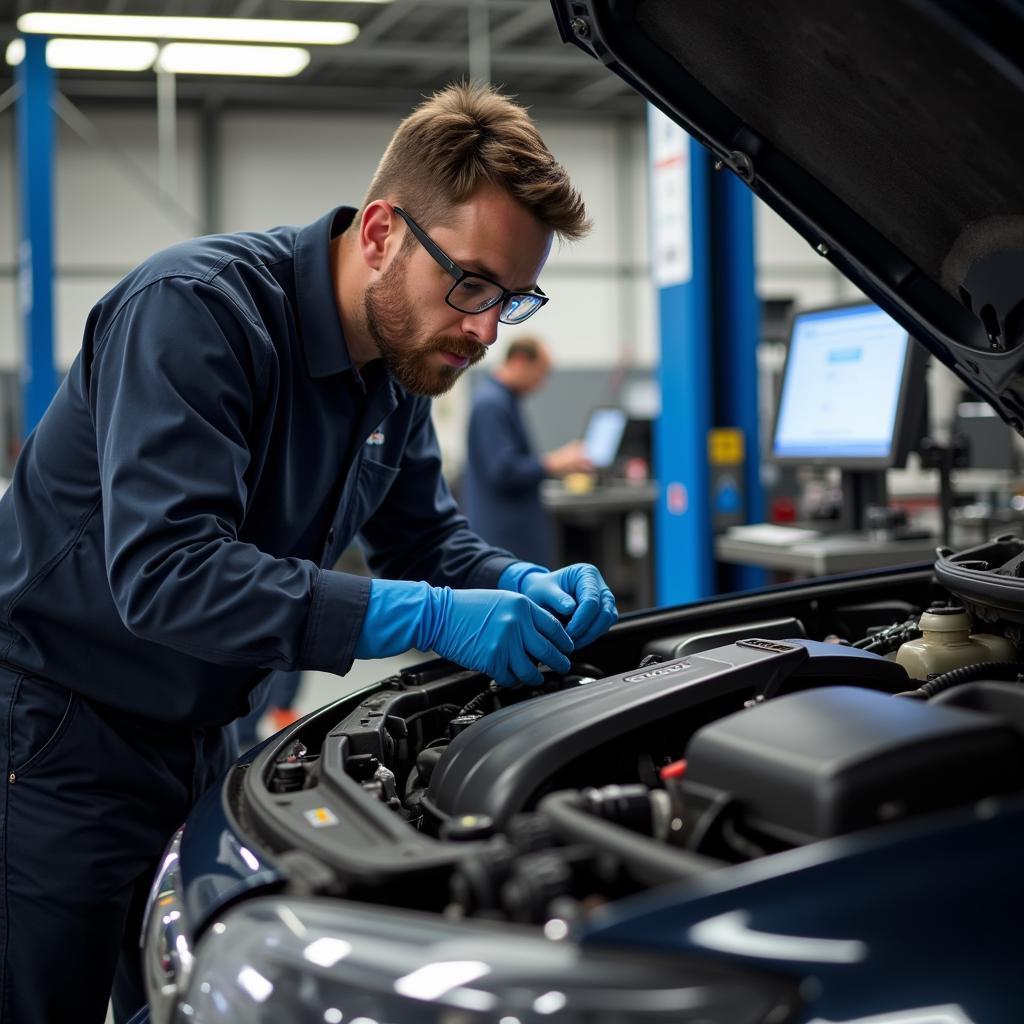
{"x": 518, "y": 307}
{"x": 474, "y": 295}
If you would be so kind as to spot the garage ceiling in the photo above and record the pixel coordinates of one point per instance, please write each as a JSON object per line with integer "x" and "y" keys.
{"x": 405, "y": 50}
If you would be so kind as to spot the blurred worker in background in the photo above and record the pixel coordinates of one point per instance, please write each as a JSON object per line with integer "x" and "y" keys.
{"x": 501, "y": 481}
{"x": 244, "y": 406}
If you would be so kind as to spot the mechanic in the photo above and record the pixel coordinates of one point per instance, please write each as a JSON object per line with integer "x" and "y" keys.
{"x": 242, "y": 407}
{"x": 501, "y": 482}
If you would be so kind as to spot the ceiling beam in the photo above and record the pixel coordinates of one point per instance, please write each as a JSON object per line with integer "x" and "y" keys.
{"x": 247, "y": 8}
{"x": 393, "y": 13}
{"x": 525, "y": 59}
{"x": 382, "y": 22}
{"x": 521, "y": 24}
{"x": 600, "y": 89}
{"x": 398, "y": 99}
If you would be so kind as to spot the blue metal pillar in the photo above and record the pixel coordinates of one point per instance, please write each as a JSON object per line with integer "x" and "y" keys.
{"x": 737, "y": 332}
{"x": 36, "y": 153}
{"x": 680, "y": 173}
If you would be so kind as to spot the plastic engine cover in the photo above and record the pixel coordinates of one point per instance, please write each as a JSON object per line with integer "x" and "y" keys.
{"x": 496, "y": 766}
{"x": 824, "y": 762}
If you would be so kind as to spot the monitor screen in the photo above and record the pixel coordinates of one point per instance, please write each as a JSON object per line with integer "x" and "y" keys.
{"x": 844, "y": 388}
{"x": 603, "y": 435}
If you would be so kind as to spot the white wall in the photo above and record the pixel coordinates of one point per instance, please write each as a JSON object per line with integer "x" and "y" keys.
{"x": 278, "y": 168}
{"x": 289, "y": 168}
{"x": 787, "y": 266}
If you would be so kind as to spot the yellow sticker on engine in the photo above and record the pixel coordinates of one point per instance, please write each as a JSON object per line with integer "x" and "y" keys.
{"x": 321, "y": 817}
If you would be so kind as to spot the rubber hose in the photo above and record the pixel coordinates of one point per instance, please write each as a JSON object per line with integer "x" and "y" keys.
{"x": 1002, "y": 670}
{"x": 645, "y": 859}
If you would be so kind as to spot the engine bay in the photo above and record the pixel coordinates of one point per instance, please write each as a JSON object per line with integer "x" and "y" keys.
{"x": 686, "y": 741}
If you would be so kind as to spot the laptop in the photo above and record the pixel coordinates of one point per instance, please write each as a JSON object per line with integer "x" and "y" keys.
{"x": 603, "y": 436}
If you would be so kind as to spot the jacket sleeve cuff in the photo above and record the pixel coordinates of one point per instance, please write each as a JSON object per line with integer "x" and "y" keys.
{"x": 487, "y": 574}
{"x": 335, "y": 621}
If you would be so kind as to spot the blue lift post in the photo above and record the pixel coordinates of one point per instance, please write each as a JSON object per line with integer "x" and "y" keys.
{"x": 35, "y": 155}
{"x": 708, "y": 317}
{"x": 737, "y": 332}
{"x": 680, "y": 179}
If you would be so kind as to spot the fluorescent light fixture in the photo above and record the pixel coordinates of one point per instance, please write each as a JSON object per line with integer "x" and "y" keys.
{"x": 235, "y": 30}
{"x": 91, "y": 54}
{"x": 219, "y": 59}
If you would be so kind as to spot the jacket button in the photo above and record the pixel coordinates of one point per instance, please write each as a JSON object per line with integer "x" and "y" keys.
{"x": 330, "y": 535}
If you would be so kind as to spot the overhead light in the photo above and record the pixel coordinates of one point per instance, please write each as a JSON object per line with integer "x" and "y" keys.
{"x": 238, "y": 30}
{"x": 214, "y": 59}
{"x": 91, "y": 54}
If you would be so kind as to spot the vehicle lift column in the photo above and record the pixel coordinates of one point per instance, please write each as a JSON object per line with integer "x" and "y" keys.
{"x": 702, "y": 244}
{"x": 35, "y": 256}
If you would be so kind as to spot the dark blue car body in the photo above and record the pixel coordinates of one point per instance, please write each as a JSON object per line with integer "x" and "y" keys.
{"x": 913, "y": 921}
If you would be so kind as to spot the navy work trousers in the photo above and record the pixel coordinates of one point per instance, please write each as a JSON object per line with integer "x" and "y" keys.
{"x": 90, "y": 798}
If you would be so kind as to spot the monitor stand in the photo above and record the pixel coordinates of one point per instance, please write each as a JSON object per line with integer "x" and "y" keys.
{"x": 861, "y": 489}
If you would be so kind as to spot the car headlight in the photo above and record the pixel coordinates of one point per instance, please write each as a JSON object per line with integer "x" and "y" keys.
{"x": 274, "y": 959}
{"x": 167, "y": 952}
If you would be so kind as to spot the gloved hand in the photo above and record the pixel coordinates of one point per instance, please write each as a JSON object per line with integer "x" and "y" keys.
{"x": 578, "y": 589}
{"x": 490, "y": 631}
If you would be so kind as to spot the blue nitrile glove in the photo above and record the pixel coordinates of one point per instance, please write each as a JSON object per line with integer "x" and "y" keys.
{"x": 578, "y": 589}
{"x": 490, "y": 631}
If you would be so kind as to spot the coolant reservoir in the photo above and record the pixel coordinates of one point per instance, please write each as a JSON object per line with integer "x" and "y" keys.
{"x": 946, "y": 643}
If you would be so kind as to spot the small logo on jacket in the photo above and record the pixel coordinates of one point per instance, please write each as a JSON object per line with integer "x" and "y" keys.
{"x": 377, "y": 437}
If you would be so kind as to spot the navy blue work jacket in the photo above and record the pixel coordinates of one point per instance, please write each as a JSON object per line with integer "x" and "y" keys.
{"x": 501, "y": 480}
{"x": 168, "y": 534}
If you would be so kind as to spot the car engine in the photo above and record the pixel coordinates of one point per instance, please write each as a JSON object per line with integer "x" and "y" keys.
{"x": 687, "y": 741}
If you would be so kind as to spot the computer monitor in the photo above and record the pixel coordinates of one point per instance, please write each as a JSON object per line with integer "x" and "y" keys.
{"x": 851, "y": 397}
{"x": 603, "y": 435}
{"x": 637, "y": 441}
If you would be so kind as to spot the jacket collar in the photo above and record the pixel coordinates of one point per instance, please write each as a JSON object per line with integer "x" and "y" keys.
{"x": 323, "y": 341}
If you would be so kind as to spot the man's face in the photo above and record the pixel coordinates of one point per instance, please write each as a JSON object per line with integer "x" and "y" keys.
{"x": 537, "y": 372}
{"x": 425, "y": 343}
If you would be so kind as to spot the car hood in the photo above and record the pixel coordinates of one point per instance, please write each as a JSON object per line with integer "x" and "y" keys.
{"x": 887, "y": 132}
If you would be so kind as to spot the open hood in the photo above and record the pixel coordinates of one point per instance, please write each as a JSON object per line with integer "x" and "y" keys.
{"x": 889, "y": 133}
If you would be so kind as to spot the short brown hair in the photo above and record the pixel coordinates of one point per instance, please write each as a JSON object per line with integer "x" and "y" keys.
{"x": 466, "y": 136}
{"x": 524, "y": 347}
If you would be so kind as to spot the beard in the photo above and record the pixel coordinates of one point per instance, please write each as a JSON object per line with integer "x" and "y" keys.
{"x": 394, "y": 326}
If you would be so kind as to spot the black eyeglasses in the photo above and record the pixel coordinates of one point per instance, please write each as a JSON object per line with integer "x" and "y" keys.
{"x": 474, "y": 293}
